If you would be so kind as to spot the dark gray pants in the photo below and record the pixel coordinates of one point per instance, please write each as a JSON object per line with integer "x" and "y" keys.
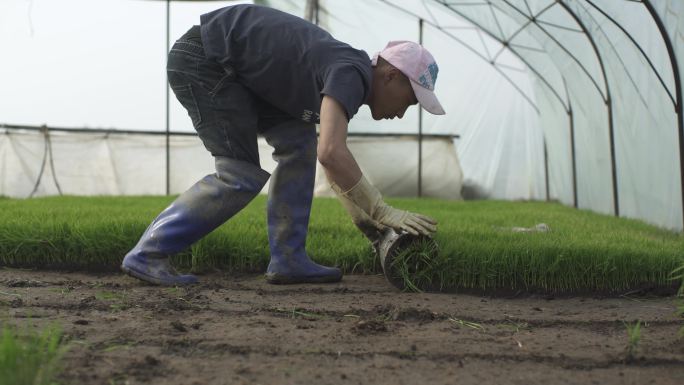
{"x": 226, "y": 115}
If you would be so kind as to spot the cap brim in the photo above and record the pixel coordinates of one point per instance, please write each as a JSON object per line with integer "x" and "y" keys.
{"x": 427, "y": 99}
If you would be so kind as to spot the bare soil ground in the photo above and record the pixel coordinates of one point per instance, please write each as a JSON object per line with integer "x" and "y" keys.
{"x": 240, "y": 330}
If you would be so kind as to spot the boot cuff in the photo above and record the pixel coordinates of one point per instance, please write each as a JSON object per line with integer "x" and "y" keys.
{"x": 244, "y": 174}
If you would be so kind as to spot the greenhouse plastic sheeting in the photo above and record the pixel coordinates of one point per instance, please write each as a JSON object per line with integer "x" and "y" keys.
{"x": 578, "y": 101}
{"x": 110, "y": 164}
{"x": 391, "y": 164}
{"x": 579, "y": 98}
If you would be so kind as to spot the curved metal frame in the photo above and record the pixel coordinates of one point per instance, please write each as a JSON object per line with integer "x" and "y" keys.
{"x": 473, "y": 50}
{"x": 491, "y": 62}
{"x": 678, "y": 88}
{"x": 678, "y": 105}
{"x": 506, "y": 44}
{"x": 638, "y": 47}
{"x": 532, "y": 18}
{"x": 609, "y": 106}
{"x": 558, "y": 43}
{"x": 607, "y": 97}
{"x": 510, "y": 46}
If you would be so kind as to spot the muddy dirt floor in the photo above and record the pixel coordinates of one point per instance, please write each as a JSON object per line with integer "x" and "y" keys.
{"x": 240, "y": 330}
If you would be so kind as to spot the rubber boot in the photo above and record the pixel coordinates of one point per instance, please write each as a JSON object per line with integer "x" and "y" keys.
{"x": 289, "y": 206}
{"x": 194, "y": 214}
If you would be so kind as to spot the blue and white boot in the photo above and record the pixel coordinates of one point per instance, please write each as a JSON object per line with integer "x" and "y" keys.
{"x": 194, "y": 214}
{"x": 289, "y": 206}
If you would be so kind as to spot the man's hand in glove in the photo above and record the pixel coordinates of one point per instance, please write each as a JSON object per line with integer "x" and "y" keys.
{"x": 369, "y": 227}
{"x": 405, "y": 220}
{"x": 342, "y": 170}
{"x": 364, "y": 201}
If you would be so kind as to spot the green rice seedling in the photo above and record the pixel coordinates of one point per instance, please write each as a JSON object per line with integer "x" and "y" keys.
{"x": 584, "y": 252}
{"x": 119, "y": 380}
{"x": 299, "y": 313}
{"x": 464, "y": 323}
{"x": 114, "y": 347}
{"x": 678, "y": 275}
{"x": 9, "y": 295}
{"x": 351, "y": 316}
{"x": 633, "y": 339}
{"x": 108, "y": 295}
{"x": 174, "y": 290}
{"x": 295, "y": 313}
{"x": 514, "y": 326}
{"x": 117, "y": 301}
{"x": 30, "y": 357}
{"x": 416, "y": 266}
{"x": 680, "y": 294}
{"x": 62, "y": 290}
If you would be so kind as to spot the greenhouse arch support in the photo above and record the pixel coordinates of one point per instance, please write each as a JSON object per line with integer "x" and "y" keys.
{"x": 678, "y": 87}
{"x": 609, "y": 106}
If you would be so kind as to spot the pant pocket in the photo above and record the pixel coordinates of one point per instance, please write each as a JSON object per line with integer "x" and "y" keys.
{"x": 186, "y": 97}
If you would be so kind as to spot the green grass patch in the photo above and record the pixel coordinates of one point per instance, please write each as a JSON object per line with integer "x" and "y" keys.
{"x": 633, "y": 339}
{"x": 30, "y": 357}
{"x": 679, "y": 275}
{"x": 478, "y": 249}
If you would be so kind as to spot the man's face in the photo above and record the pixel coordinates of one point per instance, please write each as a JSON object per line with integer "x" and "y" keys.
{"x": 392, "y": 94}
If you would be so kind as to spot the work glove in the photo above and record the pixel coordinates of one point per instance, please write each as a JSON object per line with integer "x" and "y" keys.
{"x": 369, "y": 227}
{"x": 368, "y": 200}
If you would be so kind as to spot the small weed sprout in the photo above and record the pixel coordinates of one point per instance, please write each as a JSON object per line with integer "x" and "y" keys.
{"x": 300, "y": 313}
{"x": 514, "y": 326}
{"x": 468, "y": 324}
{"x": 31, "y": 357}
{"x": 678, "y": 274}
{"x": 680, "y": 311}
{"x": 416, "y": 266}
{"x": 117, "y": 300}
{"x": 633, "y": 338}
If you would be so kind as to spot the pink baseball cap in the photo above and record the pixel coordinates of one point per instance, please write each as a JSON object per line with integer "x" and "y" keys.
{"x": 419, "y": 66}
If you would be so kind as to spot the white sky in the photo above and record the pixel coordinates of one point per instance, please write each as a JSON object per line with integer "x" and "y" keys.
{"x": 94, "y": 63}
{"x": 101, "y": 63}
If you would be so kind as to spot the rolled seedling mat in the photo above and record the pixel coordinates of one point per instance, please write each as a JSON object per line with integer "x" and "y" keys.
{"x": 408, "y": 260}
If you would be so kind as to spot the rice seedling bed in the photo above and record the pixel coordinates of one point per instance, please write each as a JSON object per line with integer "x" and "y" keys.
{"x": 240, "y": 330}
{"x": 484, "y": 246}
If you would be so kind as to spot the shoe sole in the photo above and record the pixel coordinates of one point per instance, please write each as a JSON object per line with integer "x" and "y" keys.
{"x": 150, "y": 279}
{"x": 277, "y": 279}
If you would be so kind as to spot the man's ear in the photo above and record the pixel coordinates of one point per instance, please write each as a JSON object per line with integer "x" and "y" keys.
{"x": 391, "y": 73}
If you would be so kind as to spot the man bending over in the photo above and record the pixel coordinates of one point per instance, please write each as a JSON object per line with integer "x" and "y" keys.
{"x": 249, "y": 70}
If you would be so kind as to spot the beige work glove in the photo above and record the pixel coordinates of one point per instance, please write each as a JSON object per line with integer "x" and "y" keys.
{"x": 368, "y": 201}
{"x": 370, "y": 228}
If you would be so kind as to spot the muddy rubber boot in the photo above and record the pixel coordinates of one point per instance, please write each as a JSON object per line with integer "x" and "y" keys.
{"x": 195, "y": 213}
{"x": 289, "y": 206}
